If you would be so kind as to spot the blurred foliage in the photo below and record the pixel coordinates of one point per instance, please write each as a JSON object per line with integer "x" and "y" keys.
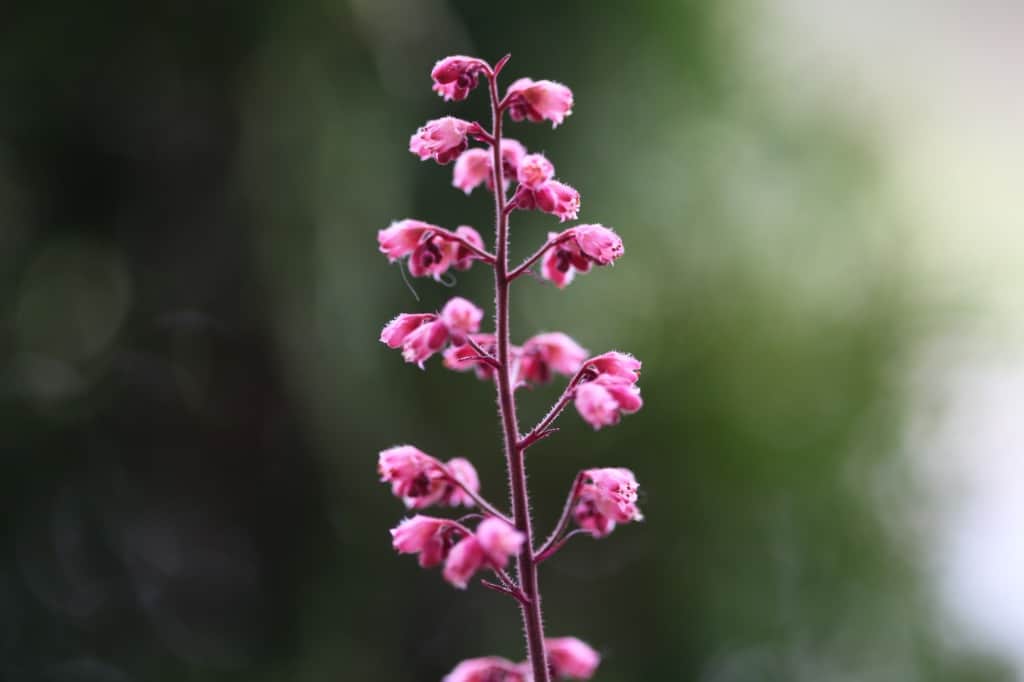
{"x": 193, "y": 395}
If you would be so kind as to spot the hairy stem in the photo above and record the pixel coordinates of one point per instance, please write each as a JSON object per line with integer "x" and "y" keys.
{"x": 526, "y": 565}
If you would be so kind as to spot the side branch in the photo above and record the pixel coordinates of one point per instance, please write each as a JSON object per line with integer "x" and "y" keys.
{"x": 548, "y": 547}
{"x": 524, "y": 267}
{"x": 541, "y": 430}
{"x": 483, "y": 255}
{"x": 480, "y": 501}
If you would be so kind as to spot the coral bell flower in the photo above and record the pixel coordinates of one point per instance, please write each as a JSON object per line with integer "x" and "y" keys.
{"x": 398, "y": 330}
{"x": 572, "y": 658}
{"x": 460, "y": 318}
{"x": 442, "y": 139}
{"x": 558, "y": 199}
{"x": 488, "y": 669}
{"x": 402, "y": 237}
{"x": 462, "y": 358}
{"x": 601, "y": 401}
{"x": 613, "y": 363}
{"x": 464, "y": 473}
{"x": 551, "y": 352}
{"x": 455, "y": 76}
{"x": 422, "y": 535}
{"x": 424, "y": 341}
{"x": 578, "y": 248}
{"x": 415, "y": 477}
{"x": 464, "y": 559}
{"x": 464, "y": 257}
{"x": 490, "y": 547}
{"x": 472, "y": 168}
{"x": 614, "y": 492}
{"x": 534, "y": 170}
{"x": 538, "y": 101}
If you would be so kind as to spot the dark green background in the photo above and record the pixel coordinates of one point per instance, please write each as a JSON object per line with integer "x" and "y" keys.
{"x": 192, "y": 393}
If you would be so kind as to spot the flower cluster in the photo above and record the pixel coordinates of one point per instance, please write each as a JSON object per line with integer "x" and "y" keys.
{"x": 602, "y": 387}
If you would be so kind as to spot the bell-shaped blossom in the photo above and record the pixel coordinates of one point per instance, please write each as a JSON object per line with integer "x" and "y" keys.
{"x": 489, "y": 669}
{"x": 538, "y": 101}
{"x": 489, "y": 547}
{"x": 415, "y": 477}
{"x": 534, "y": 170}
{"x": 431, "y": 249}
{"x": 552, "y": 352}
{"x": 601, "y": 401}
{"x": 422, "y": 335}
{"x": 607, "y": 497}
{"x": 455, "y": 76}
{"x": 442, "y": 139}
{"x": 464, "y": 258}
{"x": 423, "y": 535}
{"x": 420, "y": 480}
{"x": 619, "y": 365}
{"x": 472, "y": 168}
{"x": 512, "y": 154}
{"x": 571, "y": 658}
{"x": 576, "y": 249}
{"x": 558, "y": 199}
{"x": 460, "y": 318}
{"x": 461, "y": 358}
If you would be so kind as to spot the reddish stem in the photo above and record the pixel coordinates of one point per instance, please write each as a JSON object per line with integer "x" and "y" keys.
{"x": 526, "y": 565}
{"x": 524, "y": 267}
{"x": 563, "y": 521}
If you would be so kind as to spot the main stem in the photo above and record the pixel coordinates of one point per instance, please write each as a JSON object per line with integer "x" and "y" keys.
{"x": 526, "y": 564}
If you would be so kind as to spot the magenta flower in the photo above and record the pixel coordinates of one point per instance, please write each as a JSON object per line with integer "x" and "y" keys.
{"x": 572, "y": 658}
{"x": 576, "y": 249}
{"x": 462, "y": 469}
{"x": 558, "y": 199}
{"x": 601, "y": 401}
{"x": 613, "y": 363}
{"x": 415, "y": 477}
{"x": 455, "y": 76}
{"x": 614, "y": 491}
{"x": 442, "y": 139}
{"x": 431, "y": 249}
{"x": 534, "y": 170}
{"x": 464, "y": 559}
{"x": 424, "y": 341}
{"x": 422, "y": 535}
{"x": 488, "y": 669}
{"x": 460, "y": 318}
{"x": 398, "y": 330}
{"x": 553, "y": 352}
{"x": 490, "y": 547}
{"x": 461, "y": 358}
{"x": 464, "y": 257}
{"x": 472, "y": 168}
{"x": 538, "y": 101}
{"x": 402, "y": 237}
{"x": 590, "y": 519}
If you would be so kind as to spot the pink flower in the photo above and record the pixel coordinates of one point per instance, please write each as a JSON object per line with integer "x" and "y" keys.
{"x": 558, "y": 199}
{"x": 455, "y": 76}
{"x": 538, "y": 101}
{"x": 432, "y": 257}
{"x": 415, "y": 476}
{"x": 442, "y": 139}
{"x": 464, "y": 559}
{"x": 489, "y": 669}
{"x": 608, "y": 497}
{"x": 460, "y": 318}
{"x": 402, "y": 237}
{"x": 464, "y": 257}
{"x": 598, "y": 243}
{"x": 466, "y": 474}
{"x": 398, "y": 330}
{"x": 460, "y": 358}
{"x": 424, "y": 341}
{"x": 577, "y": 249}
{"x": 534, "y": 170}
{"x": 471, "y": 168}
{"x": 572, "y": 658}
{"x": 490, "y": 547}
{"x": 601, "y": 401}
{"x": 422, "y": 535}
{"x": 498, "y": 540}
{"x": 613, "y": 363}
{"x": 551, "y": 352}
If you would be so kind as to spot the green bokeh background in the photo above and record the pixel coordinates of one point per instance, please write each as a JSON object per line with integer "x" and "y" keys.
{"x": 193, "y": 394}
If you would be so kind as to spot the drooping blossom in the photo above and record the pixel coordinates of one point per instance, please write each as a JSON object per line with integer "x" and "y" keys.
{"x": 475, "y": 166}
{"x": 431, "y": 249}
{"x": 558, "y": 199}
{"x": 421, "y": 480}
{"x": 576, "y": 249}
{"x": 423, "y": 535}
{"x": 441, "y": 139}
{"x": 537, "y": 101}
{"x": 534, "y": 170}
{"x": 571, "y": 658}
{"x": 607, "y": 497}
{"x": 489, "y": 547}
{"x": 489, "y": 669}
{"x": 455, "y": 76}
{"x": 601, "y": 401}
{"x": 422, "y": 335}
{"x": 552, "y": 352}
{"x": 616, "y": 364}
